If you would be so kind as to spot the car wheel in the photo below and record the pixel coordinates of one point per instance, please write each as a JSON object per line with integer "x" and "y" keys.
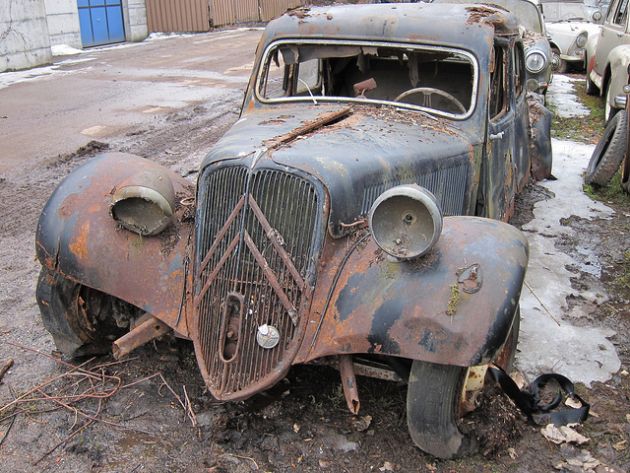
{"x": 434, "y": 396}
{"x": 609, "y": 152}
{"x": 558, "y": 64}
{"x": 81, "y": 320}
{"x": 609, "y": 110}
{"x": 591, "y": 88}
{"x": 625, "y": 173}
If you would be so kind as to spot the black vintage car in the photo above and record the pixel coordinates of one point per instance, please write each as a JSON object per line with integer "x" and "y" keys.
{"x": 353, "y": 215}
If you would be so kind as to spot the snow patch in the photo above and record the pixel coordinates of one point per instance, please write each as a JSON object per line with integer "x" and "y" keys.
{"x": 64, "y": 50}
{"x": 561, "y": 95}
{"x": 549, "y": 341}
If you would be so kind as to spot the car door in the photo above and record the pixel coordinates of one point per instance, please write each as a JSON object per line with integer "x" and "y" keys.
{"x": 521, "y": 118}
{"x": 499, "y": 186}
{"x": 613, "y": 33}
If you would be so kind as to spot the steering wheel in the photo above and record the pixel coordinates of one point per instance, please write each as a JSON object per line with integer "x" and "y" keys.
{"x": 427, "y": 92}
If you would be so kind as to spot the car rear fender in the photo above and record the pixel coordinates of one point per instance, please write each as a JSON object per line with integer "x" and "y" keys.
{"x": 453, "y": 306}
{"x": 78, "y": 238}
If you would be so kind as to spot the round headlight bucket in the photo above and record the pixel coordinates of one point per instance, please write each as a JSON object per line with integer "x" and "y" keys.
{"x": 406, "y": 221}
{"x": 535, "y": 61}
{"x": 581, "y": 39}
{"x": 597, "y": 16}
{"x": 145, "y": 203}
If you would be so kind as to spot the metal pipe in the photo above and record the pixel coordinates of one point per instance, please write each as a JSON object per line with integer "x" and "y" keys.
{"x": 349, "y": 383}
{"x": 143, "y": 333}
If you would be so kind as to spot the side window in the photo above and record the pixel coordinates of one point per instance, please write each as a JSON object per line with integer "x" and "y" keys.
{"x": 611, "y": 12}
{"x": 519, "y": 71}
{"x": 498, "y": 80}
{"x": 621, "y": 13}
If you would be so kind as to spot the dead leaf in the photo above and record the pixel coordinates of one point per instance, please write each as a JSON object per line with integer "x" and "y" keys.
{"x": 574, "y": 403}
{"x": 296, "y": 428}
{"x": 361, "y": 424}
{"x": 563, "y": 434}
{"x": 512, "y": 453}
{"x": 620, "y": 446}
{"x": 387, "y": 466}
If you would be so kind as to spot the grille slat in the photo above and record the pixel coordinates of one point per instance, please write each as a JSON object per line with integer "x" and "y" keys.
{"x": 290, "y": 205}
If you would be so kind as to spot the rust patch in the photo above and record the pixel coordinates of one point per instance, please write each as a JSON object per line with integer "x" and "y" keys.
{"x": 79, "y": 245}
{"x": 68, "y": 205}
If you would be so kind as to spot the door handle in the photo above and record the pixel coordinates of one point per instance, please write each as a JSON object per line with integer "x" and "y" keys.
{"x": 496, "y": 136}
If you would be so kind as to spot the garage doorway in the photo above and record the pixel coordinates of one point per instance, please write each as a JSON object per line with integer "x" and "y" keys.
{"x": 101, "y": 22}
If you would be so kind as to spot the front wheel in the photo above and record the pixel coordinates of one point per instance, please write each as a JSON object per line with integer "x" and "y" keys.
{"x": 558, "y": 64}
{"x": 434, "y": 402}
{"x": 434, "y": 397}
{"x": 81, "y": 320}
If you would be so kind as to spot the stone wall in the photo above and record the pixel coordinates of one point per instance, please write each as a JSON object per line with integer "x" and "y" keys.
{"x": 63, "y": 22}
{"x": 135, "y": 20}
{"x": 24, "y": 39}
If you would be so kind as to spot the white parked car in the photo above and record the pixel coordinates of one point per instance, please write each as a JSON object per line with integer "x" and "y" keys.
{"x": 569, "y": 26}
{"x": 607, "y": 58}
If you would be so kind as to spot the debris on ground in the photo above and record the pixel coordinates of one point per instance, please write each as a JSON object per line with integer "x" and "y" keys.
{"x": 4, "y": 367}
{"x": 562, "y": 434}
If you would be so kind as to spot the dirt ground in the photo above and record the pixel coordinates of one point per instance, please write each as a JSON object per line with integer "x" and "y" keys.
{"x": 301, "y": 424}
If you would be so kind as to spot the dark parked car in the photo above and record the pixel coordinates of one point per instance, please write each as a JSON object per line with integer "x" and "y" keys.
{"x": 354, "y": 216}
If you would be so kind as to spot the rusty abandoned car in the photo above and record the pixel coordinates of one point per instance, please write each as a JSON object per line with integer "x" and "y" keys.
{"x": 353, "y": 216}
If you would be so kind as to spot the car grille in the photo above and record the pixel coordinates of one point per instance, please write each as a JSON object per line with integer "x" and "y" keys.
{"x": 257, "y": 241}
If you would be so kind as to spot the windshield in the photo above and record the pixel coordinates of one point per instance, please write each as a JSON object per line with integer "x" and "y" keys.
{"x": 438, "y": 80}
{"x": 564, "y": 11}
{"x": 527, "y": 13}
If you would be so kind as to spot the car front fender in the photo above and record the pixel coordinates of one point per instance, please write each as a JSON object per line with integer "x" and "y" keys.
{"x": 454, "y": 306}
{"x": 78, "y": 238}
{"x": 619, "y": 59}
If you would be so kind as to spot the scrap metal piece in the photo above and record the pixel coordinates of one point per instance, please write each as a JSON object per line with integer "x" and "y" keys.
{"x": 148, "y": 330}
{"x": 349, "y": 383}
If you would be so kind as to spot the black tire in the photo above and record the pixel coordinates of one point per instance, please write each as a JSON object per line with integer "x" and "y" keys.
{"x": 609, "y": 152}
{"x": 591, "y": 88}
{"x": 558, "y": 65}
{"x": 625, "y": 173}
{"x": 434, "y": 397}
{"x": 433, "y": 400}
{"x": 609, "y": 110}
{"x": 81, "y": 320}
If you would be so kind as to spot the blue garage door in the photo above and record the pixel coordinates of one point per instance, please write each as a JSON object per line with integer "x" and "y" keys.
{"x": 101, "y": 22}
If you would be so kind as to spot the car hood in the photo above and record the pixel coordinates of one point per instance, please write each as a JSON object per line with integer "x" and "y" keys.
{"x": 357, "y": 153}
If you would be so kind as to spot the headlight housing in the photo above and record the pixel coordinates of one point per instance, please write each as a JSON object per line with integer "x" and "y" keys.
{"x": 597, "y": 16}
{"x": 144, "y": 203}
{"x": 535, "y": 61}
{"x": 581, "y": 39}
{"x": 406, "y": 221}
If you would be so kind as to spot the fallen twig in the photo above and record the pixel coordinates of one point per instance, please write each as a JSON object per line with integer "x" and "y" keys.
{"x": 6, "y": 434}
{"x": 542, "y": 303}
{"x": 6, "y": 366}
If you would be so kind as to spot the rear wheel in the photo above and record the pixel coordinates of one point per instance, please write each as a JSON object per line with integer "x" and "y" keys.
{"x": 434, "y": 402}
{"x": 81, "y": 320}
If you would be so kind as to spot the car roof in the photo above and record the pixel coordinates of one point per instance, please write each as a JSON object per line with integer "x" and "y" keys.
{"x": 456, "y": 25}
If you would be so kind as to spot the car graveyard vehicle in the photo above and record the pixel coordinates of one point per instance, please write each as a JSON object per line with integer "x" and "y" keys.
{"x": 354, "y": 215}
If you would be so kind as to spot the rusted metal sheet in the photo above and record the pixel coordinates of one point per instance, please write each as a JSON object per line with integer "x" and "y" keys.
{"x": 78, "y": 238}
{"x": 177, "y": 15}
{"x": 229, "y": 12}
{"x": 270, "y": 9}
{"x": 366, "y": 302}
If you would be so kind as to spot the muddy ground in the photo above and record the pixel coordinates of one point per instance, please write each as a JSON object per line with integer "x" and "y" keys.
{"x": 302, "y": 424}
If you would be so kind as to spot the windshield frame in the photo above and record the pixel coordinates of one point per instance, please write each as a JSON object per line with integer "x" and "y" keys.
{"x": 364, "y": 100}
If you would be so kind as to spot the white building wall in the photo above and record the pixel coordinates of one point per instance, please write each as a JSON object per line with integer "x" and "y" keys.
{"x": 63, "y": 22}
{"x": 135, "y": 20}
{"x": 24, "y": 39}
